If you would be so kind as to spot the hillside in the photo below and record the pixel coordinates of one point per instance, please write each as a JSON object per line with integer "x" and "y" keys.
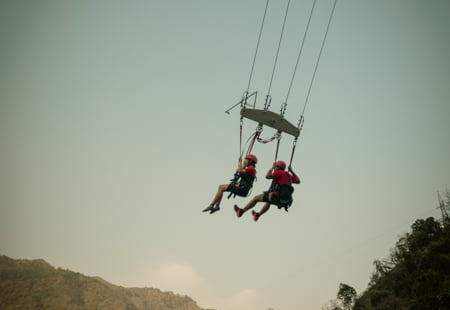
{"x": 34, "y": 284}
{"x": 416, "y": 275}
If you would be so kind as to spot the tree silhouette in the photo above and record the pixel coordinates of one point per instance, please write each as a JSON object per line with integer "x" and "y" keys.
{"x": 346, "y": 295}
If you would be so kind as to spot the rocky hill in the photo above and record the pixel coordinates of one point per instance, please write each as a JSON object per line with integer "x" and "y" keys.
{"x": 34, "y": 284}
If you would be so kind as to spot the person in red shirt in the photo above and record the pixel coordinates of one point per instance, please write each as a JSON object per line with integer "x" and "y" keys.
{"x": 280, "y": 192}
{"x": 240, "y": 185}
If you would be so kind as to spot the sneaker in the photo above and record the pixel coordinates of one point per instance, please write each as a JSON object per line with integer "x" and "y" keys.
{"x": 214, "y": 209}
{"x": 209, "y": 208}
{"x": 238, "y": 211}
{"x": 255, "y": 215}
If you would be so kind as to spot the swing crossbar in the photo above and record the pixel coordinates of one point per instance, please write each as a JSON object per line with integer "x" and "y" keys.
{"x": 271, "y": 119}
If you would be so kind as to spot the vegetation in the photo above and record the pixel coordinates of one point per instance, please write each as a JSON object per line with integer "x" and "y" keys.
{"x": 36, "y": 285}
{"x": 415, "y": 276}
{"x": 346, "y": 295}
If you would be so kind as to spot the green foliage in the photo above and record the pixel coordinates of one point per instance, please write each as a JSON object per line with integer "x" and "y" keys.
{"x": 416, "y": 275}
{"x": 346, "y": 295}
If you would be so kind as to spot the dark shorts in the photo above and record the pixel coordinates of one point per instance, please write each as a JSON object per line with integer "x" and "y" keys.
{"x": 236, "y": 189}
{"x": 271, "y": 197}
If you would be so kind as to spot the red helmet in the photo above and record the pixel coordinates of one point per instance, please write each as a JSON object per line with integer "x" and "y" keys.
{"x": 281, "y": 164}
{"x": 252, "y": 158}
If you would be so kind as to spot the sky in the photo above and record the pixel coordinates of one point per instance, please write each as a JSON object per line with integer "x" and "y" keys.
{"x": 113, "y": 138}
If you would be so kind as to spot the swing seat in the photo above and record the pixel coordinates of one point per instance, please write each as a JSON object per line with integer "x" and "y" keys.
{"x": 271, "y": 119}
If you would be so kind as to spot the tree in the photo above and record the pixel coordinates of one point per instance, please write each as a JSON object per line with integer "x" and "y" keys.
{"x": 416, "y": 275}
{"x": 332, "y": 305}
{"x": 346, "y": 295}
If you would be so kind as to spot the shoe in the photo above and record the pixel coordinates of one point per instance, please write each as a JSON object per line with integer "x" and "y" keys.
{"x": 215, "y": 209}
{"x": 255, "y": 215}
{"x": 208, "y": 208}
{"x": 238, "y": 211}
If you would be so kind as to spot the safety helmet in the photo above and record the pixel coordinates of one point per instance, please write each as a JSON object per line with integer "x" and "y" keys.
{"x": 252, "y": 158}
{"x": 281, "y": 164}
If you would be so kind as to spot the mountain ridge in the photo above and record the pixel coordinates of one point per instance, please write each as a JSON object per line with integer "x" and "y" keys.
{"x": 35, "y": 284}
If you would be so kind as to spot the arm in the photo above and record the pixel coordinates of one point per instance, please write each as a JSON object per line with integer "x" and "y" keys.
{"x": 240, "y": 168}
{"x": 269, "y": 174}
{"x": 296, "y": 179}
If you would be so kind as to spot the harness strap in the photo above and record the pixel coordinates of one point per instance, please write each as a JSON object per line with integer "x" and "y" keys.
{"x": 240, "y": 134}
{"x": 278, "y": 146}
{"x": 255, "y": 137}
{"x": 293, "y": 151}
{"x": 264, "y": 141}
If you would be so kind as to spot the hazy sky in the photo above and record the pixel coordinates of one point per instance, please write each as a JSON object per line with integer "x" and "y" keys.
{"x": 113, "y": 138}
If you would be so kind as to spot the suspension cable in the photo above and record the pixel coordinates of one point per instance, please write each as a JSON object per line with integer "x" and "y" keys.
{"x": 317, "y": 64}
{"x": 244, "y": 100}
{"x": 278, "y": 49}
{"x": 302, "y": 119}
{"x": 300, "y": 51}
{"x": 257, "y": 46}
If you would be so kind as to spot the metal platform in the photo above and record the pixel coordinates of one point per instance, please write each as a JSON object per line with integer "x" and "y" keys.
{"x": 271, "y": 119}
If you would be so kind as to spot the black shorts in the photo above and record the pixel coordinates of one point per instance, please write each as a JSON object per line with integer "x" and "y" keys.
{"x": 236, "y": 189}
{"x": 268, "y": 196}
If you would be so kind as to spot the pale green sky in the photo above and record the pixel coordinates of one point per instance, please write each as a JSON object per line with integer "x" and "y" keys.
{"x": 113, "y": 138}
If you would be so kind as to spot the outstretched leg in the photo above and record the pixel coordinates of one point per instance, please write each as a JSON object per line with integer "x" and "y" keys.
{"x": 249, "y": 205}
{"x": 218, "y": 197}
{"x": 264, "y": 209}
{"x": 253, "y": 202}
{"x": 215, "y": 204}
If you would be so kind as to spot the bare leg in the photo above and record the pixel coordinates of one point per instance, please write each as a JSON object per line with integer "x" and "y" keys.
{"x": 218, "y": 197}
{"x": 250, "y": 204}
{"x": 264, "y": 209}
